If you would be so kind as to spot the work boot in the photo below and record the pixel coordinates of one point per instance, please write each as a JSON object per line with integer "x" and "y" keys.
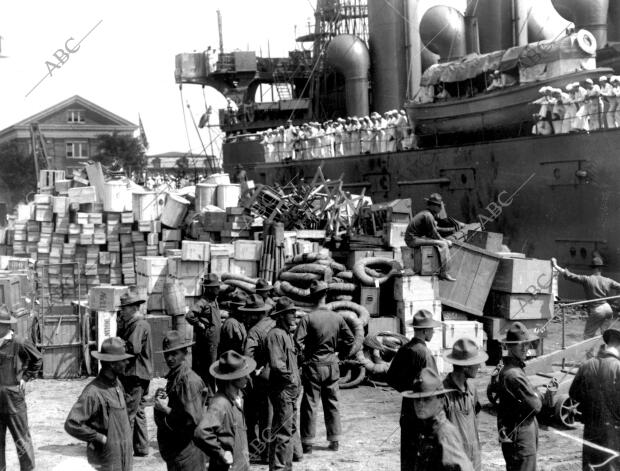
{"x": 446, "y": 277}
{"x": 333, "y": 446}
{"x": 307, "y": 448}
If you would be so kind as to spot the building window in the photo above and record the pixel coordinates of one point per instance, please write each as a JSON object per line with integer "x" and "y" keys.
{"x": 77, "y": 150}
{"x": 75, "y": 116}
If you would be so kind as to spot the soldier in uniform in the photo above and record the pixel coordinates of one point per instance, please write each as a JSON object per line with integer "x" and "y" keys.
{"x": 461, "y": 404}
{"x": 206, "y": 319}
{"x": 136, "y": 332}
{"x": 20, "y": 361}
{"x": 439, "y": 444}
{"x": 284, "y": 385}
{"x": 221, "y": 433}
{"x": 405, "y": 368}
{"x": 178, "y": 417}
{"x": 234, "y": 331}
{"x": 258, "y": 409}
{"x": 518, "y": 403}
{"x": 100, "y": 417}
{"x": 265, "y": 290}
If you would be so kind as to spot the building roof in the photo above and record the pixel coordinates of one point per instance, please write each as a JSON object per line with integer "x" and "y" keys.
{"x": 72, "y": 101}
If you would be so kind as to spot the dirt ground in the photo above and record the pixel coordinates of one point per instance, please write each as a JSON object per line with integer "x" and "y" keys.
{"x": 370, "y": 440}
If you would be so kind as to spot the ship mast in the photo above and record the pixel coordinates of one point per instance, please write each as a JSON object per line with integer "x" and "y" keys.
{"x": 219, "y": 29}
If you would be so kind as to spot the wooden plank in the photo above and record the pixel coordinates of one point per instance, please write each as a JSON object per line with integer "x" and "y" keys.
{"x": 574, "y": 353}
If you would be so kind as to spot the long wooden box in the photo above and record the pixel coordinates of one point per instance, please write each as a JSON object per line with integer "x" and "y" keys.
{"x": 519, "y": 306}
{"x": 416, "y": 288}
{"x": 160, "y": 324}
{"x": 491, "y": 241}
{"x": 383, "y": 324}
{"x": 524, "y": 275}
{"x": 474, "y": 270}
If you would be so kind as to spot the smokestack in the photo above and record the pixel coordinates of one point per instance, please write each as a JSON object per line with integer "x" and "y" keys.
{"x": 586, "y": 14}
{"x": 349, "y": 56}
{"x": 519, "y": 21}
{"x": 415, "y": 53}
{"x": 495, "y": 27}
{"x": 472, "y": 40}
{"x": 613, "y": 22}
{"x": 544, "y": 22}
{"x": 388, "y": 53}
{"x": 443, "y": 31}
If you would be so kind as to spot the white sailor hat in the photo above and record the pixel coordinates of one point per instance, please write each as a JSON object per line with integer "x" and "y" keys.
{"x": 570, "y": 86}
{"x": 602, "y": 78}
{"x": 544, "y": 89}
{"x": 614, "y": 78}
{"x": 589, "y": 81}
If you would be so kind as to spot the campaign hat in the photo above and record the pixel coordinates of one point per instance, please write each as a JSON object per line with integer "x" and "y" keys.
{"x": 423, "y": 319}
{"x": 131, "y": 299}
{"x": 465, "y": 352}
{"x": 254, "y": 303}
{"x": 518, "y": 333}
{"x": 211, "y": 279}
{"x": 434, "y": 198}
{"x": 427, "y": 384}
{"x": 263, "y": 285}
{"x": 112, "y": 349}
{"x": 283, "y": 306}
{"x": 232, "y": 365}
{"x": 174, "y": 341}
{"x": 5, "y": 316}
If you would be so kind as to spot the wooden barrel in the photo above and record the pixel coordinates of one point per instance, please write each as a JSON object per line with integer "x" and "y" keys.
{"x": 228, "y": 195}
{"x": 174, "y": 297}
{"x": 174, "y": 211}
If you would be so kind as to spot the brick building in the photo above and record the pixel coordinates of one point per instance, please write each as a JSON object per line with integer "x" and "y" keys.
{"x": 69, "y": 129}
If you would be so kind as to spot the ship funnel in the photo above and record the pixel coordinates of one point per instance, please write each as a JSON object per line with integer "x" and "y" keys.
{"x": 544, "y": 21}
{"x": 495, "y": 26}
{"x": 443, "y": 32}
{"x": 613, "y": 23}
{"x": 586, "y": 14}
{"x": 349, "y": 56}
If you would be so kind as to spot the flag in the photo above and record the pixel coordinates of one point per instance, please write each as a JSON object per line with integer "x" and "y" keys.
{"x": 145, "y": 142}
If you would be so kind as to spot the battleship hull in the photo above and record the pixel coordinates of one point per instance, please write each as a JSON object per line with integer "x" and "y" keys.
{"x": 551, "y": 196}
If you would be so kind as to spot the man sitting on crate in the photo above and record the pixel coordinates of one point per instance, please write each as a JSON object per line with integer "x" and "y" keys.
{"x": 20, "y": 361}
{"x": 423, "y": 230}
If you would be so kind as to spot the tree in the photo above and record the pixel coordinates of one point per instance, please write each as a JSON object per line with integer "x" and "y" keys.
{"x": 182, "y": 164}
{"x": 17, "y": 170}
{"x": 126, "y": 149}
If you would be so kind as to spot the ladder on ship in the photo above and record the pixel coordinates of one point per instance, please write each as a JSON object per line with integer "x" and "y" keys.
{"x": 282, "y": 86}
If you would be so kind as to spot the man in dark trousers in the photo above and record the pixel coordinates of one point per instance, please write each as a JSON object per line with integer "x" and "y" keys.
{"x": 258, "y": 409}
{"x": 20, "y": 362}
{"x": 595, "y": 286}
{"x": 405, "y": 368}
{"x": 321, "y": 338}
{"x": 179, "y": 415}
{"x": 284, "y": 384}
{"x": 207, "y": 321}
{"x": 439, "y": 443}
{"x": 461, "y": 404}
{"x": 422, "y": 230}
{"x": 221, "y": 433}
{"x": 518, "y": 403}
{"x": 597, "y": 389}
{"x": 233, "y": 334}
{"x": 99, "y": 417}
{"x": 136, "y": 332}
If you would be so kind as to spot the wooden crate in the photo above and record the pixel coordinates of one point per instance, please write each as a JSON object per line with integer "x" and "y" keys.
{"x": 519, "y": 306}
{"x": 474, "y": 270}
{"x": 423, "y": 260}
{"x": 491, "y": 241}
{"x": 369, "y": 298}
{"x": 416, "y": 288}
{"x": 61, "y": 346}
{"x": 10, "y": 292}
{"x": 524, "y": 275}
{"x": 24, "y": 322}
{"x": 454, "y": 330}
{"x": 383, "y": 324}
{"x": 160, "y": 324}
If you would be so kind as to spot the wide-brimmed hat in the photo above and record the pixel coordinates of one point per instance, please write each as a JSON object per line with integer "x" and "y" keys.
{"x": 283, "y": 306}
{"x": 610, "y": 333}
{"x": 237, "y": 299}
{"x": 427, "y": 384}
{"x": 5, "y": 316}
{"x": 112, "y": 349}
{"x": 263, "y": 285}
{"x": 231, "y": 365}
{"x": 211, "y": 279}
{"x": 174, "y": 341}
{"x": 518, "y": 333}
{"x": 318, "y": 287}
{"x": 423, "y": 319}
{"x": 597, "y": 261}
{"x": 254, "y": 303}
{"x": 434, "y": 198}
{"x": 465, "y": 352}
{"x": 131, "y": 299}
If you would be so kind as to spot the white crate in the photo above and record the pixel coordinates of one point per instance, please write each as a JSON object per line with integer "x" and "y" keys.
{"x": 221, "y": 250}
{"x": 105, "y": 297}
{"x": 416, "y": 288}
{"x": 180, "y": 268}
{"x": 152, "y": 284}
{"x": 82, "y": 194}
{"x": 443, "y": 367}
{"x": 191, "y": 285}
{"x": 195, "y": 250}
{"x": 243, "y": 267}
{"x": 247, "y": 250}
{"x": 454, "y": 330}
{"x": 220, "y": 265}
{"x": 395, "y": 234}
{"x": 152, "y": 266}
